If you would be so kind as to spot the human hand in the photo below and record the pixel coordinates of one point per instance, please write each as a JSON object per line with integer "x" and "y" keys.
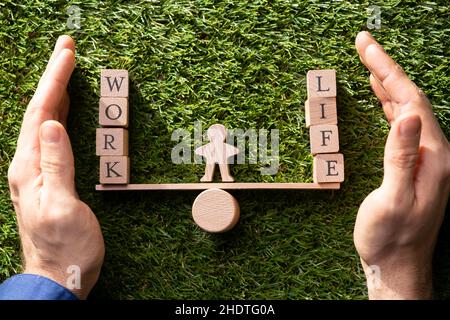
{"x": 398, "y": 223}
{"x": 57, "y": 230}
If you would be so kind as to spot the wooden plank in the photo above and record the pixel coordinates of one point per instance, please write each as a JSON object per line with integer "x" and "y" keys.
{"x": 204, "y": 186}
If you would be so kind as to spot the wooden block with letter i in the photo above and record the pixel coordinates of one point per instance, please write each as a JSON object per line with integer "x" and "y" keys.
{"x": 320, "y": 111}
{"x": 321, "y": 83}
{"x": 114, "y": 170}
{"x": 112, "y": 142}
{"x": 324, "y": 139}
{"x": 113, "y": 112}
{"x": 114, "y": 83}
{"x": 328, "y": 168}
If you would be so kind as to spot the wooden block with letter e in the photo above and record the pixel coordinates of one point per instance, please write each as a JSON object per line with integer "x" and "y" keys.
{"x": 114, "y": 170}
{"x": 114, "y": 83}
{"x": 321, "y": 83}
{"x": 112, "y": 142}
{"x": 324, "y": 138}
{"x": 320, "y": 111}
{"x": 113, "y": 112}
{"x": 328, "y": 168}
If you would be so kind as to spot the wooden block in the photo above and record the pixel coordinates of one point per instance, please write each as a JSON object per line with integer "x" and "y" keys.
{"x": 114, "y": 170}
{"x": 114, "y": 83}
{"x": 328, "y": 168}
{"x": 320, "y": 111}
{"x": 215, "y": 210}
{"x": 112, "y": 142}
{"x": 321, "y": 83}
{"x": 113, "y": 112}
{"x": 324, "y": 138}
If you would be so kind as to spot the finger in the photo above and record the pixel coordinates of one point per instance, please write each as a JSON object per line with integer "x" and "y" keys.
{"x": 383, "y": 97}
{"x": 392, "y": 77}
{"x": 46, "y": 102}
{"x": 401, "y": 154}
{"x": 404, "y": 94}
{"x": 63, "y": 42}
{"x": 57, "y": 164}
{"x": 64, "y": 109}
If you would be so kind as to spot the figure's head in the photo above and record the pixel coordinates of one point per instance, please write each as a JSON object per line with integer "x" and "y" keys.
{"x": 217, "y": 132}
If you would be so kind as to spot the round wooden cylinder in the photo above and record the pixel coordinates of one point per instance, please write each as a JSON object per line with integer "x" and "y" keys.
{"x": 215, "y": 210}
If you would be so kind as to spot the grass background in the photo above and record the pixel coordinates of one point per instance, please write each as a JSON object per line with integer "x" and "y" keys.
{"x": 243, "y": 64}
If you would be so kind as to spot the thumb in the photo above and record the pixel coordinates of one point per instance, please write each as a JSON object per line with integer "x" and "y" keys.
{"x": 402, "y": 153}
{"x": 57, "y": 165}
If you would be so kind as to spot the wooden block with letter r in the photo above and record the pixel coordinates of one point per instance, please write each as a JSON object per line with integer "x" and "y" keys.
{"x": 321, "y": 83}
{"x": 112, "y": 142}
{"x": 114, "y": 170}
{"x": 328, "y": 168}
{"x": 114, "y": 83}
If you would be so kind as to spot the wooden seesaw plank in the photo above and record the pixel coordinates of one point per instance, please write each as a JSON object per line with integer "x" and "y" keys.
{"x": 205, "y": 186}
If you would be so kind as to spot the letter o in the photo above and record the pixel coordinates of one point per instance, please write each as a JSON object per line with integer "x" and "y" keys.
{"x": 119, "y": 113}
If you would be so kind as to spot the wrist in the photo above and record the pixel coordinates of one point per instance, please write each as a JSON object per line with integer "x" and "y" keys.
{"x": 398, "y": 280}
{"x": 65, "y": 279}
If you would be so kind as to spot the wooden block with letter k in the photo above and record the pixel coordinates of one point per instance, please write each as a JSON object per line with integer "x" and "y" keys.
{"x": 114, "y": 170}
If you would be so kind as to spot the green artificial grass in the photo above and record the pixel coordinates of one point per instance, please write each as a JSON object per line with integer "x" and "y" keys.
{"x": 243, "y": 64}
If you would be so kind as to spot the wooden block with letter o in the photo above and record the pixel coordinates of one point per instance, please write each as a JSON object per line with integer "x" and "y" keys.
{"x": 114, "y": 170}
{"x": 321, "y": 83}
{"x": 114, "y": 83}
{"x": 320, "y": 111}
{"x": 113, "y": 112}
{"x": 324, "y": 139}
{"x": 328, "y": 168}
{"x": 112, "y": 142}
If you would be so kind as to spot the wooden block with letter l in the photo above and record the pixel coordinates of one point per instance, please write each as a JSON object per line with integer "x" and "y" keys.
{"x": 324, "y": 138}
{"x": 320, "y": 111}
{"x": 113, "y": 112}
{"x": 321, "y": 83}
{"x": 114, "y": 170}
{"x": 328, "y": 168}
{"x": 114, "y": 83}
{"x": 112, "y": 142}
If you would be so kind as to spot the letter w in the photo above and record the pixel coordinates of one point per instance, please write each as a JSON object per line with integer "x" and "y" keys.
{"x": 115, "y": 83}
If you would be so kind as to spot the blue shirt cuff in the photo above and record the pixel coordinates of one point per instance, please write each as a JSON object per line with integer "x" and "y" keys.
{"x": 33, "y": 287}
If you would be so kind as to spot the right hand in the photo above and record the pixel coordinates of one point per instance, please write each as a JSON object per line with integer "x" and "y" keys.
{"x": 57, "y": 230}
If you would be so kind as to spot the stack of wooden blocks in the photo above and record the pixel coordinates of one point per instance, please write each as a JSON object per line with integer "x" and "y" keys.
{"x": 321, "y": 119}
{"x": 112, "y": 138}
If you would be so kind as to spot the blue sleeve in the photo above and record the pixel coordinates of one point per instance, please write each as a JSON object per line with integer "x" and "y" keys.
{"x": 33, "y": 287}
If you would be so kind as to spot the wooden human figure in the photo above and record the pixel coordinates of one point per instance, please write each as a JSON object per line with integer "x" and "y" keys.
{"x": 217, "y": 152}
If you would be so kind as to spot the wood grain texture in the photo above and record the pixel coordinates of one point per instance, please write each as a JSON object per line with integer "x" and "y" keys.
{"x": 229, "y": 186}
{"x": 324, "y": 139}
{"x": 321, "y": 83}
{"x": 113, "y": 112}
{"x": 320, "y": 111}
{"x": 114, "y": 83}
{"x": 215, "y": 210}
{"x": 328, "y": 168}
{"x": 111, "y": 142}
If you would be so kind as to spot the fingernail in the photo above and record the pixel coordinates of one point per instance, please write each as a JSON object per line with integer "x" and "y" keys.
{"x": 410, "y": 127}
{"x": 369, "y": 34}
{"x": 50, "y": 133}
